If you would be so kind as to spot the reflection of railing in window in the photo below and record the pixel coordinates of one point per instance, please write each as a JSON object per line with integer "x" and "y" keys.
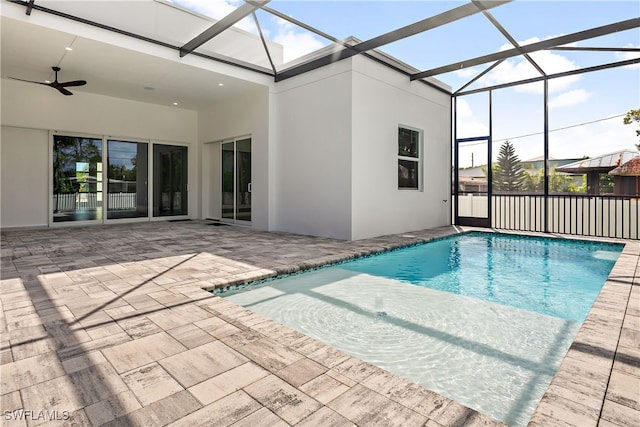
{"x": 75, "y": 201}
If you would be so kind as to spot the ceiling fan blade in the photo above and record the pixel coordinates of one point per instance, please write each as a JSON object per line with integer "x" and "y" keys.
{"x": 64, "y": 91}
{"x": 73, "y": 83}
{"x": 60, "y": 87}
{"x": 30, "y": 81}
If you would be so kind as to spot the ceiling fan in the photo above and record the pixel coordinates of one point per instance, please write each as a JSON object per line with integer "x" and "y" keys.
{"x": 57, "y": 85}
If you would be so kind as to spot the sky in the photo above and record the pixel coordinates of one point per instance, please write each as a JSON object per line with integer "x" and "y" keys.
{"x": 585, "y": 111}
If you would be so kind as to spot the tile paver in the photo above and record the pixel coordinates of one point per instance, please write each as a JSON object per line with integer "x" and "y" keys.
{"x": 201, "y": 363}
{"x": 112, "y": 407}
{"x": 324, "y": 388}
{"x": 27, "y": 372}
{"x": 151, "y": 383}
{"x": 262, "y": 417}
{"x": 111, "y": 324}
{"x": 221, "y": 385}
{"x": 222, "y": 412}
{"x": 289, "y": 403}
{"x": 133, "y": 354}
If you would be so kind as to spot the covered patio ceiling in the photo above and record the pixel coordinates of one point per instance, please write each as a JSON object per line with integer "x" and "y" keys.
{"x": 180, "y": 38}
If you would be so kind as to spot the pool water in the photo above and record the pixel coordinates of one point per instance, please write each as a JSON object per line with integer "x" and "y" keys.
{"x": 549, "y": 276}
{"x": 480, "y": 318}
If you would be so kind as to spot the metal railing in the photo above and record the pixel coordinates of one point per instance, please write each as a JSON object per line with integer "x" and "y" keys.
{"x": 583, "y": 215}
{"x": 75, "y": 201}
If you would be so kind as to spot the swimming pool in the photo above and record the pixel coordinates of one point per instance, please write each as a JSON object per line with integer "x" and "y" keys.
{"x": 480, "y": 318}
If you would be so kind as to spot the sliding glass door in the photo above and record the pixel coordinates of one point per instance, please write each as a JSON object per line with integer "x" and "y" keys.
{"x": 236, "y": 180}
{"x": 169, "y": 180}
{"x": 127, "y": 174}
{"x": 77, "y": 179}
{"x": 84, "y": 191}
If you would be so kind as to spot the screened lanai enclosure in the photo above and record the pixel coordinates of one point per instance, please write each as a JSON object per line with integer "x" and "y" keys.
{"x": 552, "y": 171}
{"x": 539, "y": 93}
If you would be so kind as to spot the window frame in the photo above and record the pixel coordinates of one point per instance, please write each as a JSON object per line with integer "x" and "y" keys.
{"x": 417, "y": 160}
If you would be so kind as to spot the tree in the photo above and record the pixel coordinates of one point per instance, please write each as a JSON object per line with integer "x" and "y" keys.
{"x": 633, "y": 116}
{"x": 508, "y": 173}
{"x": 558, "y": 183}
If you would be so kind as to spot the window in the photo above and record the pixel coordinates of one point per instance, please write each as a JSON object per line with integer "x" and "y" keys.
{"x": 409, "y": 155}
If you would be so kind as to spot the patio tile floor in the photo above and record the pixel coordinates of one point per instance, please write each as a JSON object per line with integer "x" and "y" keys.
{"x": 110, "y": 326}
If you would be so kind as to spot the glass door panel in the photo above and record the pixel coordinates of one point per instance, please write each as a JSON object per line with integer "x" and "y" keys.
{"x": 236, "y": 180}
{"x": 228, "y": 180}
{"x": 127, "y": 174}
{"x": 243, "y": 180}
{"x": 77, "y": 179}
{"x": 169, "y": 180}
{"x": 473, "y": 178}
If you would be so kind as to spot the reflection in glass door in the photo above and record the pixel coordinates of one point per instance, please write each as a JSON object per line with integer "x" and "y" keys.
{"x": 127, "y": 190}
{"x": 169, "y": 180}
{"x": 236, "y": 180}
{"x": 77, "y": 179}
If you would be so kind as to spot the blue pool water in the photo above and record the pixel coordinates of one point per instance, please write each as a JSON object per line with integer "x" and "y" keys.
{"x": 559, "y": 278}
{"x": 482, "y": 319}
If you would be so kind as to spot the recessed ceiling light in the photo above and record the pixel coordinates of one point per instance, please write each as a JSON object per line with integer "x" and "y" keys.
{"x": 68, "y": 48}
{"x": 220, "y": 84}
{"x": 175, "y": 103}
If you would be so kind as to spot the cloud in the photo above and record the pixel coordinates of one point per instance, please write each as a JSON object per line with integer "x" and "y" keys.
{"x": 295, "y": 42}
{"x": 468, "y": 124}
{"x": 570, "y": 98}
{"x": 519, "y": 68}
{"x": 217, "y": 9}
{"x": 592, "y": 139}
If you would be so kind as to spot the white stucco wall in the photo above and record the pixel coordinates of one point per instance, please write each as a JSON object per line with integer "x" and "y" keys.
{"x": 335, "y": 148}
{"x": 24, "y": 184}
{"x": 382, "y": 100}
{"x": 312, "y": 153}
{"x": 243, "y": 116}
{"x": 29, "y": 112}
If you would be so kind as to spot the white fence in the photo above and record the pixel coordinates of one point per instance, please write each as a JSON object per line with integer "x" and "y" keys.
{"x": 601, "y": 216}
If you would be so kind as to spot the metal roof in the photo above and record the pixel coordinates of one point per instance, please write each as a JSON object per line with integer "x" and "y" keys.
{"x": 604, "y": 163}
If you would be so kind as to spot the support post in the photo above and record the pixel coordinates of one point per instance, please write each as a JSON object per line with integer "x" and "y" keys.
{"x": 546, "y": 156}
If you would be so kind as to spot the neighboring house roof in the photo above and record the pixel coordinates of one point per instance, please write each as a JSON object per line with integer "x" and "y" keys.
{"x": 475, "y": 172}
{"x": 603, "y": 163}
{"x": 532, "y": 166}
{"x": 630, "y": 168}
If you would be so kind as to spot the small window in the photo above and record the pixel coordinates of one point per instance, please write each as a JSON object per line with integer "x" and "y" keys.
{"x": 409, "y": 155}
